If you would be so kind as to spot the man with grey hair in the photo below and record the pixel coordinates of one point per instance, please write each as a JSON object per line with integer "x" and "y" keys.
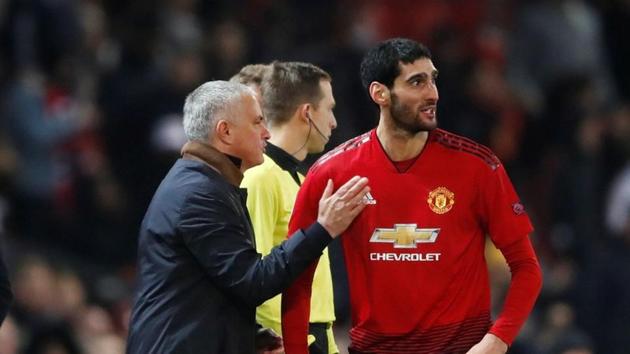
{"x": 199, "y": 275}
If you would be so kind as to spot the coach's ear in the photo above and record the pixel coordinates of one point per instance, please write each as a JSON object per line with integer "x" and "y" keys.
{"x": 223, "y": 132}
{"x": 379, "y": 93}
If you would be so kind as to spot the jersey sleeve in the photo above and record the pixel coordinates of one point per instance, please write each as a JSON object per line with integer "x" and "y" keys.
{"x": 524, "y": 289}
{"x": 297, "y": 298}
{"x": 502, "y": 212}
{"x": 508, "y": 225}
{"x": 263, "y": 207}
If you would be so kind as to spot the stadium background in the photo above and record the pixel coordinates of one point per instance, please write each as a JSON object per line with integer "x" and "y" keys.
{"x": 92, "y": 90}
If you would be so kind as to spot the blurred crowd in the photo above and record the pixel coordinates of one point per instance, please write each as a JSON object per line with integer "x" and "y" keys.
{"x": 91, "y": 93}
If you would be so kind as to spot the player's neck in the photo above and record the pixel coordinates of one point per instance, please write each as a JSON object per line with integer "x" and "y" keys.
{"x": 288, "y": 140}
{"x": 400, "y": 145}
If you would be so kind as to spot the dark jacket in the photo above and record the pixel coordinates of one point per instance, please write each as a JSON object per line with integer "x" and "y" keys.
{"x": 200, "y": 277}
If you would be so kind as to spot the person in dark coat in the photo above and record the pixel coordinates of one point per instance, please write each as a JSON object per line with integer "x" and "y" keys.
{"x": 199, "y": 275}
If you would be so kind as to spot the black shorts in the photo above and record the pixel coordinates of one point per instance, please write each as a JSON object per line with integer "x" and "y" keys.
{"x": 318, "y": 330}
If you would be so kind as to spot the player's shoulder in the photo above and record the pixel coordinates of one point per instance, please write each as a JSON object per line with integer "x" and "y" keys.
{"x": 343, "y": 152}
{"x": 465, "y": 147}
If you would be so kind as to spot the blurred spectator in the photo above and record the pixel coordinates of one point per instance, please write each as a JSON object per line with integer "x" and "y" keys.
{"x": 9, "y": 337}
{"x": 106, "y": 344}
{"x": 559, "y": 333}
{"x": 55, "y": 308}
{"x": 228, "y": 38}
{"x": 602, "y": 290}
{"x": 8, "y": 165}
{"x": 553, "y": 40}
{"x": 52, "y": 339}
{"x": 618, "y": 141}
{"x": 573, "y": 343}
{"x": 37, "y": 128}
{"x": 618, "y": 208}
{"x": 181, "y": 28}
{"x": 35, "y": 292}
{"x": 486, "y": 111}
{"x": 6, "y": 294}
{"x": 616, "y": 16}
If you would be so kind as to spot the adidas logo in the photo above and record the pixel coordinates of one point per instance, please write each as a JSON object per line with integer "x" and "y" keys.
{"x": 368, "y": 199}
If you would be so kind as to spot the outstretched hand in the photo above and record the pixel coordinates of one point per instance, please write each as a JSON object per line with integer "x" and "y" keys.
{"x": 338, "y": 210}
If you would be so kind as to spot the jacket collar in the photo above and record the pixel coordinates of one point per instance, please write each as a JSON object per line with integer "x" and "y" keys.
{"x": 228, "y": 166}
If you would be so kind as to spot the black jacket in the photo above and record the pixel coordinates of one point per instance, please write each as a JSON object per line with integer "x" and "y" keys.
{"x": 200, "y": 277}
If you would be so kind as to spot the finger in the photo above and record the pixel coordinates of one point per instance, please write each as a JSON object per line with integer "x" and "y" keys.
{"x": 328, "y": 190}
{"x": 356, "y": 209}
{"x": 354, "y": 189}
{"x": 358, "y": 195}
{"x": 359, "y": 199}
{"x": 346, "y": 186}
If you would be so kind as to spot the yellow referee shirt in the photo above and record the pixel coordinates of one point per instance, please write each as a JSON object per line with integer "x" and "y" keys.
{"x": 271, "y": 194}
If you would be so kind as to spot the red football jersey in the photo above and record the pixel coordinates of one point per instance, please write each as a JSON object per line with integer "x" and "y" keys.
{"x": 415, "y": 255}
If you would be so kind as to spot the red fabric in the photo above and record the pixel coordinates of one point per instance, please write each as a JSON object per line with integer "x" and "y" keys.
{"x": 417, "y": 297}
{"x": 403, "y": 166}
{"x": 526, "y": 280}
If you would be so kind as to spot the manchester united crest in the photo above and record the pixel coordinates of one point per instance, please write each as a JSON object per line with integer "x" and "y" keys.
{"x": 441, "y": 200}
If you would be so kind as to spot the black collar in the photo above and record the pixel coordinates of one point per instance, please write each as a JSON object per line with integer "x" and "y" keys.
{"x": 286, "y": 161}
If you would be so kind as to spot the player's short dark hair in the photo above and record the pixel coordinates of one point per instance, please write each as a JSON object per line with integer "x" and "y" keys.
{"x": 381, "y": 63}
{"x": 287, "y": 85}
{"x": 251, "y": 74}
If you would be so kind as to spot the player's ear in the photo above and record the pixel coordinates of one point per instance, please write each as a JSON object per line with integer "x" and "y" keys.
{"x": 379, "y": 93}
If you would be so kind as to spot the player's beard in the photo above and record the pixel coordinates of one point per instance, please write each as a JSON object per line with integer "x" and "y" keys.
{"x": 407, "y": 120}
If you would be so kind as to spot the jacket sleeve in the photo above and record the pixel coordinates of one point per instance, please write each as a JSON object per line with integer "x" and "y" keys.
{"x": 218, "y": 238}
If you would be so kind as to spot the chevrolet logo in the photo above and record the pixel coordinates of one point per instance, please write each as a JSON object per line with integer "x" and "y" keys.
{"x": 404, "y": 235}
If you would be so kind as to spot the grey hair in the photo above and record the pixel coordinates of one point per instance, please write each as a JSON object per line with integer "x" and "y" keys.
{"x": 207, "y": 104}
